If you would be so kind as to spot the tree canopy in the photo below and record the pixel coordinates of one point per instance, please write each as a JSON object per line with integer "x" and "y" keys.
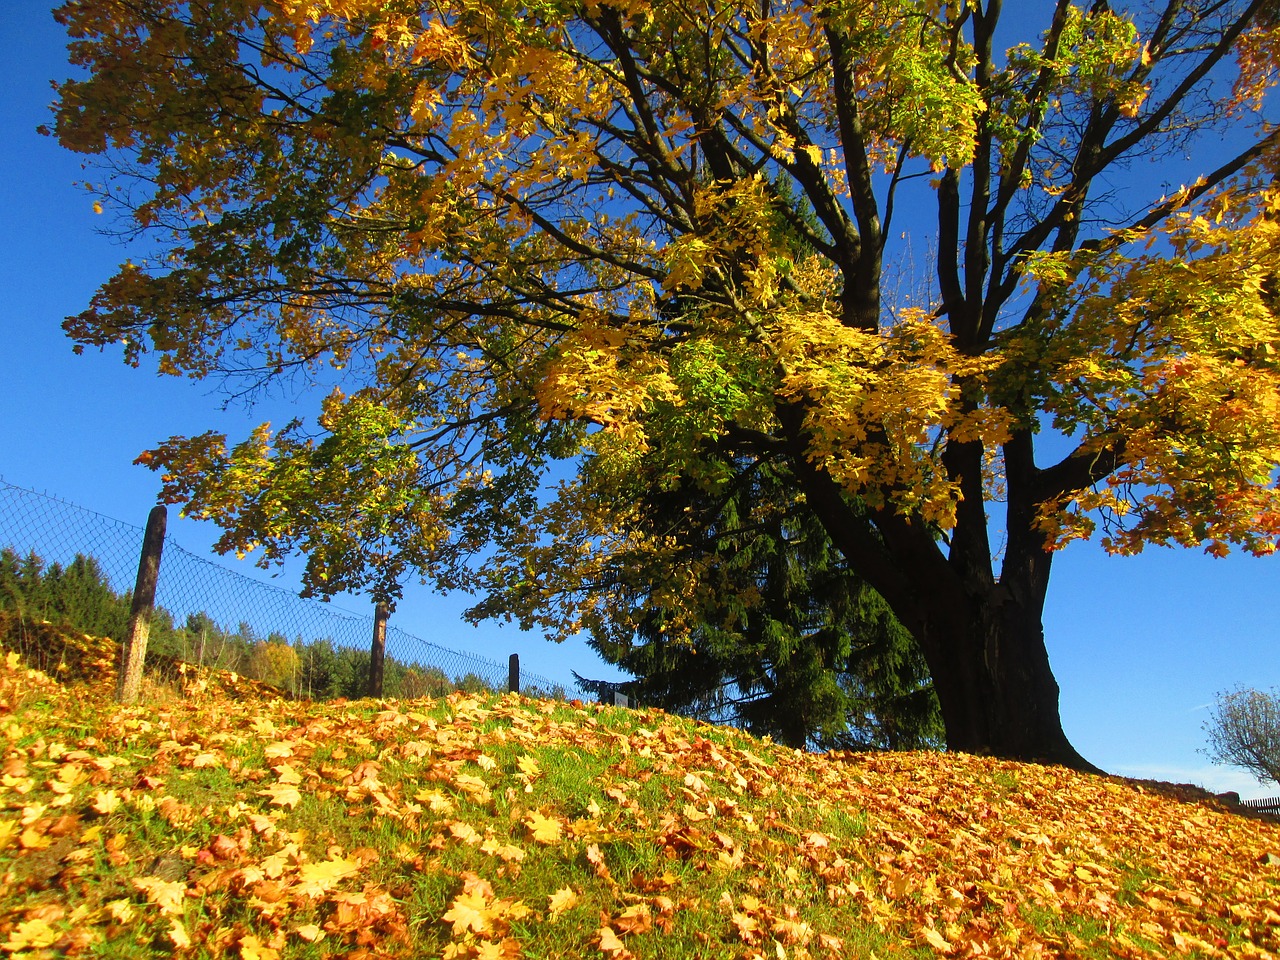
{"x": 909, "y": 249}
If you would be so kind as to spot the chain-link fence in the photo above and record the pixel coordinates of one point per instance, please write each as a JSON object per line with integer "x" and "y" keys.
{"x": 220, "y": 617}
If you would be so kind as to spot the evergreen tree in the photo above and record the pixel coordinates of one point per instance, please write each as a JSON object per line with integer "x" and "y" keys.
{"x": 78, "y": 595}
{"x": 790, "y": 643}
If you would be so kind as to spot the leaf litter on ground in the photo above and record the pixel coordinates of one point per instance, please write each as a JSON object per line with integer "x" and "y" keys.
{"x": 217, "y": 820}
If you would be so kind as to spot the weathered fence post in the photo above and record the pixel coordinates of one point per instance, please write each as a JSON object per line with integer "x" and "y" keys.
{"x": 513, "y": 673}
{"x": 378, "y": 651}
{"x": 134, "y": 651}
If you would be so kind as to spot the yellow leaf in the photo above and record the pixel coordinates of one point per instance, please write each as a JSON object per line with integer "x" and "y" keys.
{"x": 543, "y": 829}
{"x": 435, "y": 800}
{"x": 610, "y": 944}
{"x": 310, "y": 933}
{"x": 465, "y": 832}
{"x": 529, "y": 766}
{"x": 251, "y": 948}
{"x": 562, "y": 900}
{"x": 748, "y": 927}
{"x": 264, "y": 826}
{"x": 105, "y": 802}
{"x": 165, "y": 894}
{"x": 468, "y": 913}
{"x": 31, "y": 935}
{"x": 596, "y": 859}
{"x": 282, "y": 795}
{"x": 935, "y": 939}
{"x": 505, "y": 851}
{"x": 178, "y": 935}
{"x": 32, "y": 839}
{"x": 121, "y": 911}
{"x": 833, "y": 944}
{"x": 472, "y": 785}
{"x": 316, "y": 879}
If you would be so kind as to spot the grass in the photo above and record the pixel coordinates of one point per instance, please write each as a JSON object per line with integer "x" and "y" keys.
{"x": 218, "y": 821}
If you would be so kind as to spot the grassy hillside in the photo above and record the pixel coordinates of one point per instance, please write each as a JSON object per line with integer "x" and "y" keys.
{"x": 216, "y": 822}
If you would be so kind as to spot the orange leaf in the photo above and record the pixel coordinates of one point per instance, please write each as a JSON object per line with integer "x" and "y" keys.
{"x": 282, "y": 795}
{"x": 935, "y": 939}
{"x": 635, "y": 919}
{"x": 468, "y": 913}
{"x": 611, "y": 945}
{"x": 596, "y": 859}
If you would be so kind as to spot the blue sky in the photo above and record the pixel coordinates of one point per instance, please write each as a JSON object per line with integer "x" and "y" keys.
{"x": 1139, "y": 645}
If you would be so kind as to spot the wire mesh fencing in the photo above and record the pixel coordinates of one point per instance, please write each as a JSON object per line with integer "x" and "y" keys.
{"x": 214, "y": 616}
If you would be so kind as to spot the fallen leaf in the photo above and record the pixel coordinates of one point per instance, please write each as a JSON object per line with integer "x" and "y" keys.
{"x": 465, "y": 832}
{"x": 469, "y": 912}
{"x": 251, "y": 948}
{"x": 635, "y": 919}
{"x": 165, "y": 894}
{"x": 31, "y": 935}
{"x": 561, "y": 901}
{"x": 529, "y": 766}
{"x": 32, "y": 839}
{"x": 310, "y": 933}
{"x": 935, "y": 939}
{"x": 596, "y": 859}
{"x": 544, "y": 829}
{"x": 282, "y": 795}
{"x": 315, "y": 879}
{"x": 178, "y": 935}
{"x": 610, "y": 944}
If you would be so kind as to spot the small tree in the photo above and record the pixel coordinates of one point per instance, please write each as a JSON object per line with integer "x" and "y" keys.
{"x": 1244, "y": 731}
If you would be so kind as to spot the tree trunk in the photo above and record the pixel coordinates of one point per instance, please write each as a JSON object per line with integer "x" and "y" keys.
{"x": 991, "y": 672}
{"x": 982, "y": 638}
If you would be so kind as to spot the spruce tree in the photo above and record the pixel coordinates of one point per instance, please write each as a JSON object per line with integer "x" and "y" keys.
{"x": 792, "y": 644}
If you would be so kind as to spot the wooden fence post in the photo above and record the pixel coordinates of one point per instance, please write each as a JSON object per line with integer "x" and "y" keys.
{"x": 134, "y": 651}
{"x": 513, "y": 673}
{"x": 378, "y": 651}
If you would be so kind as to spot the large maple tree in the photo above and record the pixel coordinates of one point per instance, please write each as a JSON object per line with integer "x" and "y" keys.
{"x": 903, "y": 249}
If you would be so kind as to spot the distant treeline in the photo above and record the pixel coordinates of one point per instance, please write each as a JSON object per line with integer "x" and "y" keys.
{"x": 79, "y": 596}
